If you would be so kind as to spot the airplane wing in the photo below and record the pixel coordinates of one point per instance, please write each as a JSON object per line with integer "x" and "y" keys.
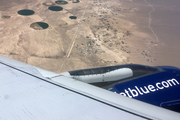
{"x": 28, "y": 92}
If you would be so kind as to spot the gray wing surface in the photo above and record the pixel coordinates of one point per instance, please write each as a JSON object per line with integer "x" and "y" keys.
{"x": 25, "y": 94}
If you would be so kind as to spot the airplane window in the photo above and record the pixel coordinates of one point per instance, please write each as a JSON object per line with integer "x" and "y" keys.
{"x": 97, "y": 71}
{"x": 122, "y": 66}
{"x": 78, "y": 72}
{"x": 81, "y": 72}
{"x": 108, "y": 69}
{"x": 88, "y": 72}
{"x": 138, "y": 70}
{"x": 104, "y": 70}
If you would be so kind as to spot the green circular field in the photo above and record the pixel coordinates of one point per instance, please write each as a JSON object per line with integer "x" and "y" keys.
{"x": 39, "y": 25}
{"x": 60, "y": 2}
{"x": 26, "y": 12}
{"x": 55, "y": 8}
{"x": 72, "y": 17}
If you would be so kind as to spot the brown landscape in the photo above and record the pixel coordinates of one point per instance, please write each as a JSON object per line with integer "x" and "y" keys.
{"x": 98, "y": 33}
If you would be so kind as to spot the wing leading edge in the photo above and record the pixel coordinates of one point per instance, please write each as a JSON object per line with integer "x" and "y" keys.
{"x": 26, "y": 94}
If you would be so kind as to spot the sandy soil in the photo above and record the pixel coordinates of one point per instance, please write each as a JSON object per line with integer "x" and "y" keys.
{"x": 106, "y": 32}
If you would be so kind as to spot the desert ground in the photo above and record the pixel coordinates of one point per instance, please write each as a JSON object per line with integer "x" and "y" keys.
{"x": 100, "y": 33}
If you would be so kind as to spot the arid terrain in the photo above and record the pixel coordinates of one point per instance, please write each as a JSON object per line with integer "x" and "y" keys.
{"x": 105, "y": 33}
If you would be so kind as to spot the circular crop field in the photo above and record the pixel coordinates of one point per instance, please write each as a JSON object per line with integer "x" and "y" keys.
{"x": 72, "y": 17}
{"x": 61, "y": 2}
{"x": 25, "y": 12}
{"x": 48, "y": 4}
{"x": 39, "y": 25}
{"x": 55, "y": 8}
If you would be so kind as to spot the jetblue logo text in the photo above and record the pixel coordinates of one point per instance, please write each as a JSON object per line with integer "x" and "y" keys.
{"x": 149, "y": 88}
